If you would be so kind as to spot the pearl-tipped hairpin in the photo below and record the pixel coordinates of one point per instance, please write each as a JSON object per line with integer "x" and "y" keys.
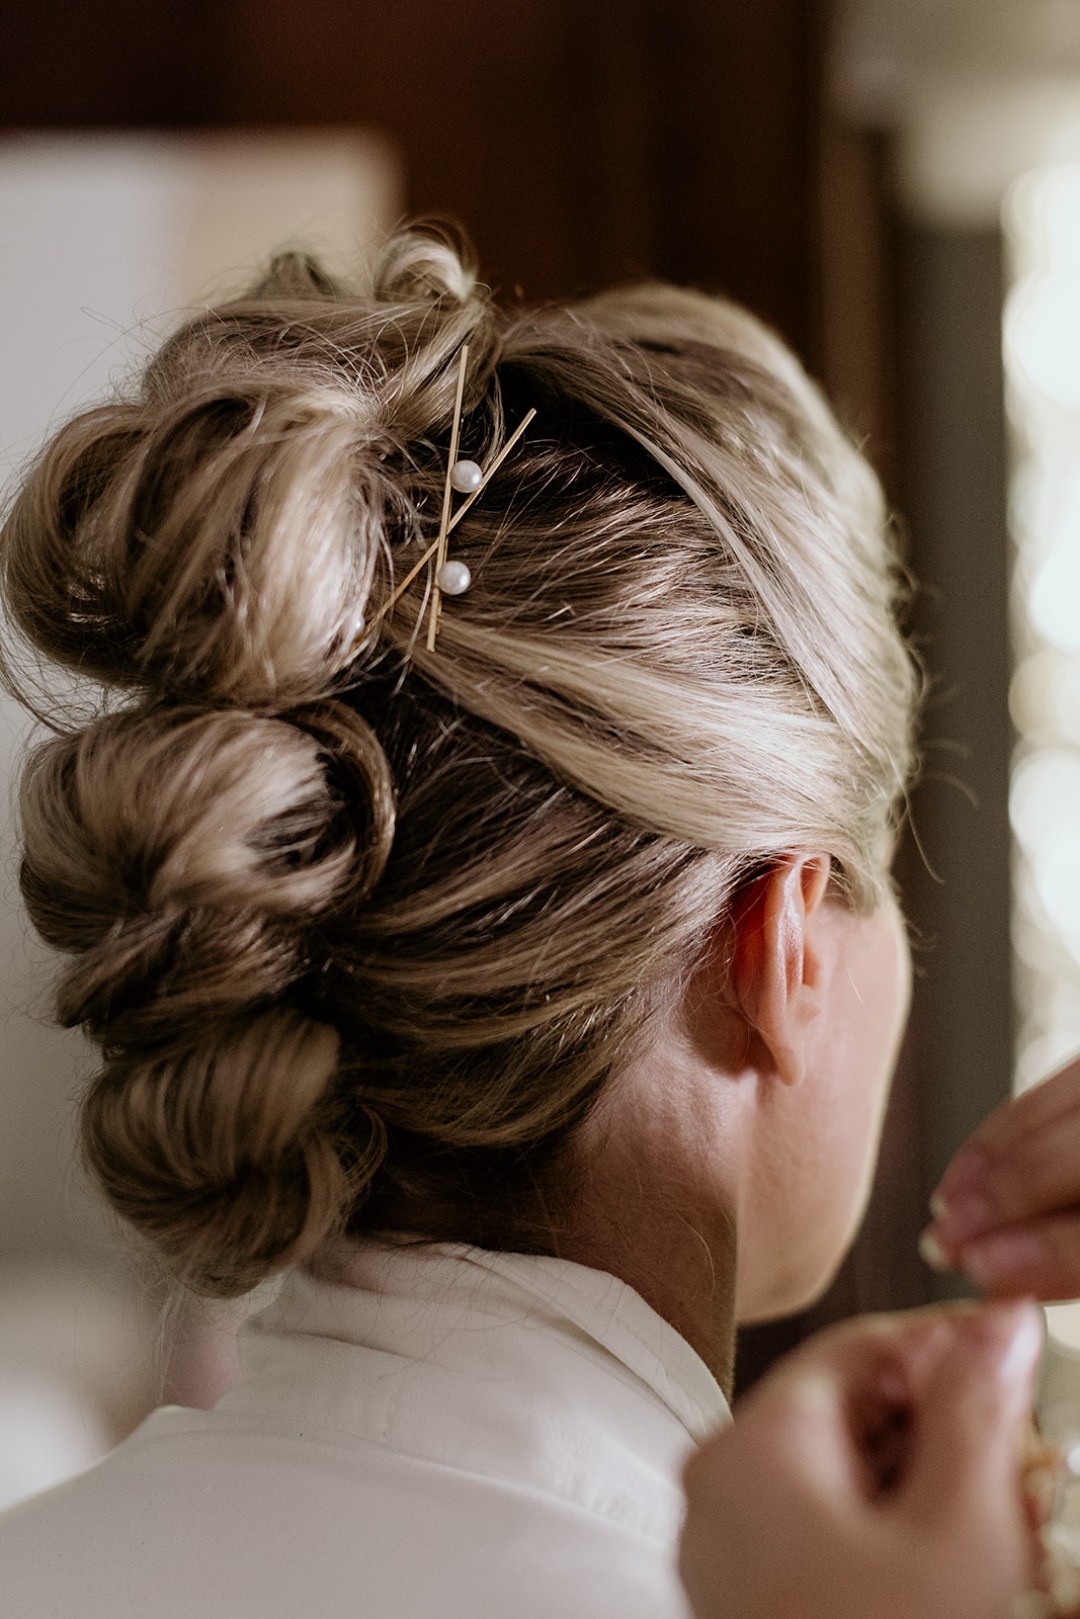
{"x": 465, "y": 477}
{"x": 468, "y": 479}
{"x": 454, "y": 578}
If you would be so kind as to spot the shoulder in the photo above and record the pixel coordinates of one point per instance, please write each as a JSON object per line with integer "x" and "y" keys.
{"x": 194, "y": 1516}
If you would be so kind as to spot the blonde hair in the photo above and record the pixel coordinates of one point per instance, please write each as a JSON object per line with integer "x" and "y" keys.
{"x": 363, "y": 929}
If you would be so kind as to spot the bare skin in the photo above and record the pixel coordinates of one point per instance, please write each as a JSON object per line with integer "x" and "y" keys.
{"x": 727, "y": 1169}
{"x": 726, "y": 1173}
{"x": 1007, "y": 1210}
{"x": 656, "y": 1209}
{"x": 804, "y": 1509}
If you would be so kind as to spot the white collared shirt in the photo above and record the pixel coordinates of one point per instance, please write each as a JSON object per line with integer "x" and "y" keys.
{"x": 434, "y": 1430}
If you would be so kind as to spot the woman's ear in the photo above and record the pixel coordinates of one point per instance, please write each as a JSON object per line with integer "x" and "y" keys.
{"x": 776, "y": 963}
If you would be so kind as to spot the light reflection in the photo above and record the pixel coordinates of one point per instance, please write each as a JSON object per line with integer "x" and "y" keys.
{"x": 1044, "y": 209}
{"x": 1044, "y": 697}
{"x": 1057, "y": 878}
{"x": 1045, "y": 793}
{"x": 1054, "y": 597}
{"x": 1042, "y": 337}
{"x": 1041, "y": 343}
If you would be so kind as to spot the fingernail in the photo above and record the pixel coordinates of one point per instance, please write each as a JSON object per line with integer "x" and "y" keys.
{"x": 1012, "y": 1337}
{"x": 938, "y": 1206}
{"x": 932, "y": 1253}
{"x": 967, "y": 1170}
{"x": 1007, "y": 1256}
{"x": 963, "y": 1215}
{"x": 814, "y": 1393}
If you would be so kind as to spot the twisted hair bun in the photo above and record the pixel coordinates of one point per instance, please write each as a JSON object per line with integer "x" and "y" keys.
{"x": 209, "y": 547}
{"x": 217, "y": 538}
{"x": 227, "y": 1153}
{"x": 185, "y": 860}
{"x": 364, "y": 927}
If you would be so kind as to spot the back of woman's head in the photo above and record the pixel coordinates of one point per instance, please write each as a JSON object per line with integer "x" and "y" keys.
{"x": 364, "y": 927}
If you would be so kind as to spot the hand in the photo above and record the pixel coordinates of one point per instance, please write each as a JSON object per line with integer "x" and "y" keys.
{"x": 1007, "y": 1210}
{"x": 873, "y": 1474}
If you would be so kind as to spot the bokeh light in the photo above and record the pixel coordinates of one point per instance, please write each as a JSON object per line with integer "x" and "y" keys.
{"x": 1042, "y": 337}
{"x": 1041, "y": 344}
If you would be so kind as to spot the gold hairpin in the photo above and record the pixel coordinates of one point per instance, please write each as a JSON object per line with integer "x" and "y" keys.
{"x": 451, "y": 578}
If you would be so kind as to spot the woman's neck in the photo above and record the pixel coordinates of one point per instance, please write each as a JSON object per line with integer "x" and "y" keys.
{"x": 682, "y": 1270}
{"x": 651, "y": 1206}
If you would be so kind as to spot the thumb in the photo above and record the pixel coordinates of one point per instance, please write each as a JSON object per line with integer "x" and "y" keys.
{"x": 967, "y": 1427}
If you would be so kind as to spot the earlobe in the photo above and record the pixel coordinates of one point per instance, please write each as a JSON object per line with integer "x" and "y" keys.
{"x": 776, "y": 965}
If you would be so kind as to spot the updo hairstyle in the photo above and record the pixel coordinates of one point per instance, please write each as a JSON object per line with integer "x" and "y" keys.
{"x": 363, "y": 929}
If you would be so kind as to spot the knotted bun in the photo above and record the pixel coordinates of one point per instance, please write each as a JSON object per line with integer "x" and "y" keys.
{"x": 185, "y": 860}
{"x": 228, "y": 1153}
{"x": 209, "y": 547}
{"x": 194, "y": 890}
{"x": 218, "y": 538}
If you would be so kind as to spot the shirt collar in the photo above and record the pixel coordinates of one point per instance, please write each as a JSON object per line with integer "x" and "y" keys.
{"x": 379, "y": 1293}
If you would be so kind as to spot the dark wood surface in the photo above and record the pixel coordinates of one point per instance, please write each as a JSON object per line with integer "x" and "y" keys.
{"x": 580, "y": 144}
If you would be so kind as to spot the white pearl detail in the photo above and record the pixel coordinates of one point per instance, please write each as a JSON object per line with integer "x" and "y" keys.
{"x": 466, "y": 477}
{"x": 453, "y": 578}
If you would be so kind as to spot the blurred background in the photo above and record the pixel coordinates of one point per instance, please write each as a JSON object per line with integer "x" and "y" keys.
{"x": 895, "y": 184}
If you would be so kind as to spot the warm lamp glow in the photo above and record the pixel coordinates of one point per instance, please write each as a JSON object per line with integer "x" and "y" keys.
{"x": 1042, "y": 337}
{"x": 1054, "y": 597}
{"x": 1042, "y": 366}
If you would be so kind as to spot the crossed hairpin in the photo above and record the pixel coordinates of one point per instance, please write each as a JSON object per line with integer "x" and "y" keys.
{"x": 452, "y": 578}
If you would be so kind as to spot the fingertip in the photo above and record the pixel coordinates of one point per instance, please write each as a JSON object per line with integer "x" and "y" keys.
{"x": 967, "y": 1426}
{"x": 932, "y": 1253}
{"x": 1017, "y": 1331}
{"x": 1007, "y": 1337}
{"x": 988, "y": 1369}
{"x": 966, "y": 1173}
{"x": 1005, "y": 1259}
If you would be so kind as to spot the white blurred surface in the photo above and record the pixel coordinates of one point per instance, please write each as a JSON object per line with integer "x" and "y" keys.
{"x": 1041, "y": 348}
{"x": 80, "y": 1365}
{"x": 46, "y": 1435}
{"x": 977, "y": 91}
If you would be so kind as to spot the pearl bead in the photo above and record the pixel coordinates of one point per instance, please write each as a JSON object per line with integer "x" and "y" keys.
{"x": 453, "y": 578}
{"x": 465, "y": 477}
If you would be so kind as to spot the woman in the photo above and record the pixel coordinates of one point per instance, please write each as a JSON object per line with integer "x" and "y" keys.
{"x": 485, "y": 921}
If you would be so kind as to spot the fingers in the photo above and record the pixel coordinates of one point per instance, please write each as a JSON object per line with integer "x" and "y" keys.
{"x": 867, "y": 1360}
{"x": 808, "y": 1415}
{"x": 1033, "y": 1109}
{"x": 961, "y": 1500}
{"x": 783, "y": 1518}
{"x": 967, "y": 1431}
{"x": 1040, "y": 1175}
{"x": 778, "y": 1465}
{"x": 868, "y": 1355}
{"x": 1022, "y": 1165}
{"x": 774, "y": 1502}
{"x": 835, "y": 1414}
{"x": 1039, "y": 1259}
